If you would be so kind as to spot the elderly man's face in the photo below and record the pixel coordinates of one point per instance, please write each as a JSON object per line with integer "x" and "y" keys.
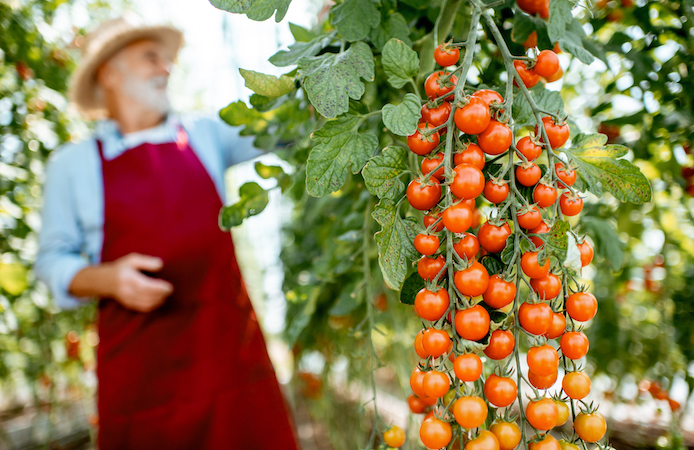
{"x": 139, "y": 71}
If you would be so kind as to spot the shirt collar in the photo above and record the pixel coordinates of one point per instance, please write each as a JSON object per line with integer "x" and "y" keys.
{"x": 114, "y": 142}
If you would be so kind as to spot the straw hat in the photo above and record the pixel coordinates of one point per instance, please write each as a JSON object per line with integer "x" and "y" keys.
{"x": 104, "y": 42}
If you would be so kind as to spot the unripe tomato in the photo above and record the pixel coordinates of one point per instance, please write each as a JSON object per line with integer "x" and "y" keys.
{"x": 428, "y": 268}
{"x": 493, "y": 238}
{"x": 446, "y": 55}
{"x": 430, "y": 218}
{"x": 528, "y": 76}
{"x": 429, "y": 164}
{"x": 457, "y": 218}
{"x": 470, "y": 412}
{"x": 394, "y": 437}
{"x": 423, "y": 197}
{"x": 416, "y": 380}
{"x": 531, "y": 266}
{"x": 570, "y": 204}
{"x": 501, "y": 344}
{"x": 495, "y": 192}
{"x": 468, "y": 367}
{"x": 435, "y": 433}
{"x": 486, "y": 440}
{"x": 507, "y": 433}
{"x": 542, "y": 414}
{"x": 436, "y": 384}
{"x": 472, "y": 154}
{"x": 439, "y": 84}
{"x": 581, "y": 306}
{"x": 558, "y": 326}
{"x": 590, "y": 427}
{"x": 529, "y": 218}
{"x": 541, "y": 382}
{"x": 528, "y": 174}
{"x": 496, "y": 139}
{"x": 568, "y": 445}
{"x": 417, "y": 406}
{"x": 499, "y": 292}
{"x": 472, "y": 281}
{"x": 436, "y": 116}
{"x": 528, "y": 148}
{"x": 567, "y": 176}
{"x": 421, "y": 144}
{"x": 574, "y": 344}
{"x": 472, "y": 323}
{"x": 543, "y": 360}
{"x": 419, "y": 347}
{"x": 544, "y": 195}
{"x": 468, "y": 181}
{"x": 586, "y": 251}
{"x": 535, "y": 319}
{"x": 540, "y": 229}
{"x": 500, "y": 391}
{"x": 474, "y": 117}
{"x": 431, "y": 305}
{"x": 576, "y": 385}
{"x": 489, "y": 96}
{"x": 547, "y": 443}
{"x": 547, "y": 63}
{"x": 563, "y": 412}
{"x": 547, "y": 287}
{"x": 558, "y": 133}
{"x": 466, "y": 246}
{"x": 436, "y": 342}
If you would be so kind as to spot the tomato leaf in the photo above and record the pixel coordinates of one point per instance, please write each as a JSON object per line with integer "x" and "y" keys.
{"x": 333, "y": 78}
{"x": 238, "y": 114}
{"x": 494, "y": 314}
{"x": 598, "y": 166}
{"x": 524, "y": 25}
{"x": 400, "y": 63}
{"x": 559, "y": 18}
{"x": 253, "y": 201}
{"x": 493, "y": 263}
{"x": 354, "y": 19}
{"x": 340, "y": 146}
{"x": 608, "y": 244}
{"x": 546, "y": 100}
{"x": 410, "y": 288}
{"x": 300, "y": 33}
{"x": 402, "y": 119}
{"x": 276, "y": 172}
{"x": 556, "y": 241}
{"x": 255, "y": 9}
{"x": 395, "y": 26}
{"x": 299, "y": 50}
{"x": 395, "y": 243}
{"x": 267, "y": 85}
{"x": 571, "y": 41}
{"x": 382, "y": 173}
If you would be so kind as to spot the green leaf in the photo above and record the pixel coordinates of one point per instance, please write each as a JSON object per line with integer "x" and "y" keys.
{"x": 237, "y": 114}
{"x": 382, "y": 173}
{"x": 546, "y": 100}
{"x": 410, "y": 288}
{"x": 340, "y": 146}
{"x": 494, "y": 314}
{"x": 524, "y": 25}
{"x": 400, "y": 63}
{"x": 255, "y": 9}
{"x": 395, "y": 243}
{"x": 348, "y": 300}
{"x": 572, "y": 42}
{"x": 333, "y": 78}
{"x": 395, "y": 26}
{"x": 354, "y": 19}
{"x": 267, "y": 85}
{"x": 492, "y": 263}
{"x": 556, "y": 241}
{"x": 276, "y": 172}
{"x": 253, "y": 201}
{"x": 300, "y": 33}
{"x": 559, "y": 18}
{"x": 299, "y": 50}
{"x": 599, "y": 167}
{"x": 402, "y": 119}
{"x": 608, "y": 244}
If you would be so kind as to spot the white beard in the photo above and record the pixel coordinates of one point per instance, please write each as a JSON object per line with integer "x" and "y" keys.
{"x": 151, "y": 93}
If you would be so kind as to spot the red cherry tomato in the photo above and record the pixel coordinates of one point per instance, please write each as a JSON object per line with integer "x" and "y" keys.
{"x": 586, "y": 252}
{"x": 438, "y": 115}
{"x": 446, "y": 55}
{"x": 420, "y": 143}
{"x": 495, "y": 192}
{"x": 501, "y": 344}
{"x": 531, "y": 265}
{"x": 470, "y": 412}
{"x": 436, "y": 384}
{"x": 547, "y": 287}
{"x": 529, "y": 219}
{"x": 540, "y": 229}
{"x": 430, "y": 218}
{"x": 489, "y": 96}
{"x": 574, "y": 344}
{"x": 436, "y": 342}
{"x": 472, "y": 154}
{"x": 496, "y": 139}
{"x": 558, "y": 326}
{"x": 581, "y": 306}
{"x": 547, "y": 63}
{"x": 472, "y": 281}
{"x": 428, "y": 267}
{"x": 493, "y": 238}
{"x": 417, "y": 406}
{"x": 457, "y": 218}
{"x": 528, "y": 148}
{"x": 439, "y": 84}
{"x": 528, "y": 174}
{"x": 419, "y": 346}
{"x": 423, "y": 197}
{"x": 535, "y": 319}
{"x": 466, "y": 246}
{"x": 468, "y": 367}
{"x": 426, "y": 244}
{"x": 416, "y": 380}
{"x": 542, "y": 414}
{"x": 468, "y": 181}
{"x": 567, "y": 176}
{"x": 429, "y": 164}
{"x": 543, "y": 360}
{"x": 557, "y": 133}
{"x": 500, "y": 391}
{"x": 474, "y": 117}
{"x": 542, "y": 382}
{"x": 544, "y": 195}
{"x": 576, "y": 385}
{"x": 472, "y": 323}
{"x": 528, "y": 76}
{"x": 570, "y": 204}
{"x": 499, "y": 292}
{"x": 431, "y": 305}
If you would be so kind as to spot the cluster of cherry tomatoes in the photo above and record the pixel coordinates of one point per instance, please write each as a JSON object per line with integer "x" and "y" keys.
{"x": 461, "y": 295}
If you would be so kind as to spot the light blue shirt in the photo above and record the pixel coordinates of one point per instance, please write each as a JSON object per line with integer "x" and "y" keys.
{"x": 72, "y": 214}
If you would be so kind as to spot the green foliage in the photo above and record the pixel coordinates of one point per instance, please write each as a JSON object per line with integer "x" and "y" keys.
{"x": 395, "y": 243}
{"x": 402, "y": 119}
{"x": 253, "y": 201}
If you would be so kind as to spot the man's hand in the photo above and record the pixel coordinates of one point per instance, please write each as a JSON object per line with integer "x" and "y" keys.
{"x": 123, "y": 281}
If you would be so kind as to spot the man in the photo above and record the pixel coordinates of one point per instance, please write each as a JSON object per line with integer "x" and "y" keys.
{"x": 182, "y": 363}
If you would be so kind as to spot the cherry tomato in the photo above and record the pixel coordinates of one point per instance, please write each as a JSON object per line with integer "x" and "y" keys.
{"x": 570, "y": 204}
{"x": 535, "y": 319}
{"x": 486, "y": 440}
{"x": 496, "y": 139}
{"x": 533, "y": 7}
{"x": 528, "y": 174}
{"x": 466, "y": 246}
{"x": 531, "y": 41}
{"x": 543, "y": 360}
{"x": 419, "y": 347}
{"x": 493, "y": 238}
{"x": 567, "y": 176}
{"x": 446, "y": 55}
{"x": 557, "y": 75}
{"x": 474, "y": 117}
{"x": 421, "y": 144}
{"x": 500, "y": 391}
{"x": 472, "y": 281}
{"x": 507, "y": 433}
{"x": 429, "y": 164}
{"x": 586, "y": 251}
{"x": 547, "y": 287}
{"x": 495, "y": 192}
{"x": 564, "y": 445}
{"x": 472, "y": 323}
{"x": 544, "y": 195}
{"x": 426, "y": 244}
{"x": 489, "y": 96}
{"x": 468, "y": 367}
{"x": 416, "y": 380}
{"x": 428, "y": 268}
{"x": 501, "y": 344}
{"x": 558, "y": 133}
{"x": 563, "y": 412}
{"x": 468, "y": 181}
{"x": 542, "y": 382}
{"x": 436, "y": 342}
{"x": 581, "y": 306}
{"x": 436, "y": 384}
{"x": 439, "y": 84}
{"x": 542, "y": 414}
{"x": 528, "y": 148}
{"x": 531, "y": 266}
{"x": 576, "y": 385}
{"x": 548, "y": 442}
{"x": 457, "y": 218}
{"x": 423, "y": 197}
{"x": 435, "y": 433}
{"x": 529, "y": 219}
{"x": 574, "y": 344}
{"x": 540, "y": 229}
{"x": 430, "y": 305}
{"x": 547, "y": 63}
{"x": 470, "y": 412}
{"x": 436, "y": 116}
{"x": 558, "y": 326}
{"x": 430, "y": 218}
{"x": 417, "y": 406}
{"x": 528, "y": 76}
{"x": 499, "y": 292}
{"x": 590, "y": 427}
{"x": 472, "y": 154}
{"x": 394, "y": 437}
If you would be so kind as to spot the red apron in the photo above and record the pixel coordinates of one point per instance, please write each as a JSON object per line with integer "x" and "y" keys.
{"x": 193, "y": 374}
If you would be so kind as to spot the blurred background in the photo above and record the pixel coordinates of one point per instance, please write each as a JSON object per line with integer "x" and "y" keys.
{"x": 639, "y": 95}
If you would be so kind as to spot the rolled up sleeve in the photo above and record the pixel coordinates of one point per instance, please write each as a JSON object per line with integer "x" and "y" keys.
{"x": 234, "y": 147}
{"x": 61, "y": 237}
